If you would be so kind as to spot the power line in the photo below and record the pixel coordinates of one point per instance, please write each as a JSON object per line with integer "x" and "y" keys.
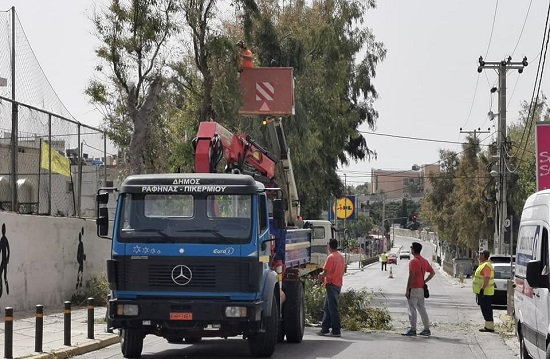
{"x": 539, "y": 70}
{"x": 523, "y": 27}
{"x": 413, "y": 138}
{"x": 492, "y": 29}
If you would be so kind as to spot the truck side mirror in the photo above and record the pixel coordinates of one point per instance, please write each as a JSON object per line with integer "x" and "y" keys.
{"x": 102, "y": 222}
{"x": 279, "y": 214}
{"x": 102, "y": 198}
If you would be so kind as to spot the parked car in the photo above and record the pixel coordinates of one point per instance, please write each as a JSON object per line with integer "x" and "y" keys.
{"x": 503, "y": 272}
{"x": 405, "y": 254}
{"x": 392, "y": 258}
{"x": 497, "y": 258}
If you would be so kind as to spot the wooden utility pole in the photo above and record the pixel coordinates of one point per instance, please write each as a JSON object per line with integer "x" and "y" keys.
{"x": 501, "y": 67}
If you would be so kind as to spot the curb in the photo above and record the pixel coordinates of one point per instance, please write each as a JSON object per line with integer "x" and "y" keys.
{"x": 78, "y": 350}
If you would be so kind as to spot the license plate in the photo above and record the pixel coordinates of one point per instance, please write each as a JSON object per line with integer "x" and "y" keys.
{"x": 181, "y": 316}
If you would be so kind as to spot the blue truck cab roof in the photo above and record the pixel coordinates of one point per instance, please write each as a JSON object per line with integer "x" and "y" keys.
{"x": 192, "y": 183}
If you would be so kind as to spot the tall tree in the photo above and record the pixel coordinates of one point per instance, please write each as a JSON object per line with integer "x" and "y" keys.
{"x": 129, "y": 84}
{"x": 472, "y": 215}
{"x": 322, "y": 41}
{"x": 437, "y": 206}
{"x": 522, "y": 161}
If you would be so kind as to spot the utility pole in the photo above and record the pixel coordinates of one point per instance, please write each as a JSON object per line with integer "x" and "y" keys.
{"x": 345, "y": 209}
{"x": 501, "y": 67}
{"x": 475, "y": 132}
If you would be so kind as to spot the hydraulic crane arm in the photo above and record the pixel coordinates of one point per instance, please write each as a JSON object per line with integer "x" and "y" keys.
{"x": 214, "y": 141}
{"x": 282, "y": 151}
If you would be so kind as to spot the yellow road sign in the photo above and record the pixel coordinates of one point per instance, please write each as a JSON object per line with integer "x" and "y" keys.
{"x": 344, "y": 208}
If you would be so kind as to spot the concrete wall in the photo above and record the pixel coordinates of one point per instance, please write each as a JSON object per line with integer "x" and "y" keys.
{"x": 38, "y": 259}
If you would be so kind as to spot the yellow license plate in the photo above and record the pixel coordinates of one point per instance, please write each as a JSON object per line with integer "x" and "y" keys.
{"x": 181, "y": 316}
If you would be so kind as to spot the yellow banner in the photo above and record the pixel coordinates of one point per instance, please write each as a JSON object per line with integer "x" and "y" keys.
{"x": 60, "y": 164}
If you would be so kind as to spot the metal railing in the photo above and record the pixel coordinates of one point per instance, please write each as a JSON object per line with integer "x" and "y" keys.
{"x": 47, "y": 162}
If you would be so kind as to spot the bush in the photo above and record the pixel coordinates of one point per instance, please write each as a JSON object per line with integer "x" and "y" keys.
{"x": 96, "y": 287}
{"x": 357, "y": 310}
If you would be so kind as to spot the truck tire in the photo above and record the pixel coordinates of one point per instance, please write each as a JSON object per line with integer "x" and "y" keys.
{"x": 131, "y": 343}
{"x": 280, "y": 331}
{"x": 193, "y": 340}
{"x": 523, "y": 354}
{"x": 263, "y": 344}
{"x": 174, "y": 340}
{"x": 294, "y": 319}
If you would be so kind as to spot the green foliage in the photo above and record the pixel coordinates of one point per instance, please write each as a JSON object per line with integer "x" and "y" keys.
{"x": 461, "y": 205}
{"x": 359, "y": 227}
{"x": 333, "y": 53}
{"x": 357, "y": 308}
{"x": 96, "y": 287}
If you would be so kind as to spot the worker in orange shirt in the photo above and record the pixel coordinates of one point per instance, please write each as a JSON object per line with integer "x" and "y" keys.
{"x": 247, "y": 59}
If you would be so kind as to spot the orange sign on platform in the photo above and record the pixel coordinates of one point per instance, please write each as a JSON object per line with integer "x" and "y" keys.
{"x": 267, "y": 91}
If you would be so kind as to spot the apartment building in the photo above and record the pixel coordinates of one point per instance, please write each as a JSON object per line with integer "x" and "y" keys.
{"x": 395, "y": 184}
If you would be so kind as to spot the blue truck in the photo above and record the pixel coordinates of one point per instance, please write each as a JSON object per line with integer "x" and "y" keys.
{"x": 198, "y": 255}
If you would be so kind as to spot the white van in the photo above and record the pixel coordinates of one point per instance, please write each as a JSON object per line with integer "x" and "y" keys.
{"x": 321, "y": 232}
{"x": 531, "y": 294}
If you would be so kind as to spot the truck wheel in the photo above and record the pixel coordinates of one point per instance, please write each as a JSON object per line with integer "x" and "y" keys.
{"x": 262, "y": 344}
{"x": 523, "y": 354}
{"x": 280, "y": 331}
{"x": 294, "y": 319}
{"x": 193, "y": 340}
{"x": 131, "y": 343}
{"x": 174, "y": 340}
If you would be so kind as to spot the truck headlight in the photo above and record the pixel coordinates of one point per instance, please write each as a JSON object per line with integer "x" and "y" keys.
{"x": 127, "y": 309}
{"x": 235, "y": 312}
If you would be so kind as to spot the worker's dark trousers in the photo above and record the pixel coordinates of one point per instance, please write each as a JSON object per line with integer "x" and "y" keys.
{"x": 331, "y": 316}
{"x": 485, "y": 303}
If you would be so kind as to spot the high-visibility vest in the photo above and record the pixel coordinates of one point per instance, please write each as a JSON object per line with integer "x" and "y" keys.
{"x": 478, "y": 281}
{"x": 247, "y": 59}
{"x": 384, "y": 257}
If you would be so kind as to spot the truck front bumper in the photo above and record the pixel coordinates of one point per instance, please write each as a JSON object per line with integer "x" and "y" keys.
{"x": 151, "y": 315}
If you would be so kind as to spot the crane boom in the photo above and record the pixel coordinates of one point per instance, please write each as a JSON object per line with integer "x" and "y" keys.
{"x": 214, "y": 141}
{"x": 282, "y": 151}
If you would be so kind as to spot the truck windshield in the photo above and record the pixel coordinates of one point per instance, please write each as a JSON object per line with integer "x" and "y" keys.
{"x": 185, "y": 218}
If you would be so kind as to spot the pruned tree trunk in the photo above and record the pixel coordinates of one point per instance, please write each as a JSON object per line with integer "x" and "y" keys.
{"x": 141, "y": 120}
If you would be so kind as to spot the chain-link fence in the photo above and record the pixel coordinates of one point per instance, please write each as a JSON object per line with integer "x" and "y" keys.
{"x": 50, "y": 163}
{"x": 53, "y": 165}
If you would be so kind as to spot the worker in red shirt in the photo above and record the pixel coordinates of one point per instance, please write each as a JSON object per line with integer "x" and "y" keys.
{"x": 247, "y": 58}
{"x": 332, "y": 275}
{"x": 418, "y": 267}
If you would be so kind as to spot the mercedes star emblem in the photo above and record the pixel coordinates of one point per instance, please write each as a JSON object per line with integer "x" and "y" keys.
{"x": 181, "y": 274}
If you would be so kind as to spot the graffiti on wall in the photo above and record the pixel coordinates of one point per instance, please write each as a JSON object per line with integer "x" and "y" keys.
{"x": 80, "y": 258}
{"x": 5, "y": 254}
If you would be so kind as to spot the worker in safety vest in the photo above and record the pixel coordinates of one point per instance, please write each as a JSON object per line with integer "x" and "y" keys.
{"x": 484, "y": 288}
{"x": 384, "y": 260}
{"x": 247, "y": 59}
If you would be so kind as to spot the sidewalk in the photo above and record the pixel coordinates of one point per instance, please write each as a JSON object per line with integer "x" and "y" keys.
{"x": 24, "y": 330}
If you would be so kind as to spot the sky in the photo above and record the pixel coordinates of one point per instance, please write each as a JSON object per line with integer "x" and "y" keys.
{"x": 428, "y": 84}
{"x": 61, "y": 36}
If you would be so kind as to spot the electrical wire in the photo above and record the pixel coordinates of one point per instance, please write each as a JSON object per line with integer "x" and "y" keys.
{"x": 413, "y": 138}
{"x": 522, "y": 28}
{"x": 486, "y": 53}
{"x": 492, "y": 29}
{"x": 539, "y": 70}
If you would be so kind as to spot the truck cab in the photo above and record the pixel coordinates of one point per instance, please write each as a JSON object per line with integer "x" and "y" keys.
{"x": 191, "y": 258}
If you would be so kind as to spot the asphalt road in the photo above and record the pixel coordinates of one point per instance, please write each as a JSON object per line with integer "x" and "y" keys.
{"x": 454, "y": 315}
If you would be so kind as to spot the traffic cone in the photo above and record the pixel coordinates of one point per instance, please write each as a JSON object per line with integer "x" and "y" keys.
{"x": 391, "y": 272}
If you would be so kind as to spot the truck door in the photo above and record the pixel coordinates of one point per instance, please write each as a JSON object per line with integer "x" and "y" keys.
{"x": 541, "y": 297}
